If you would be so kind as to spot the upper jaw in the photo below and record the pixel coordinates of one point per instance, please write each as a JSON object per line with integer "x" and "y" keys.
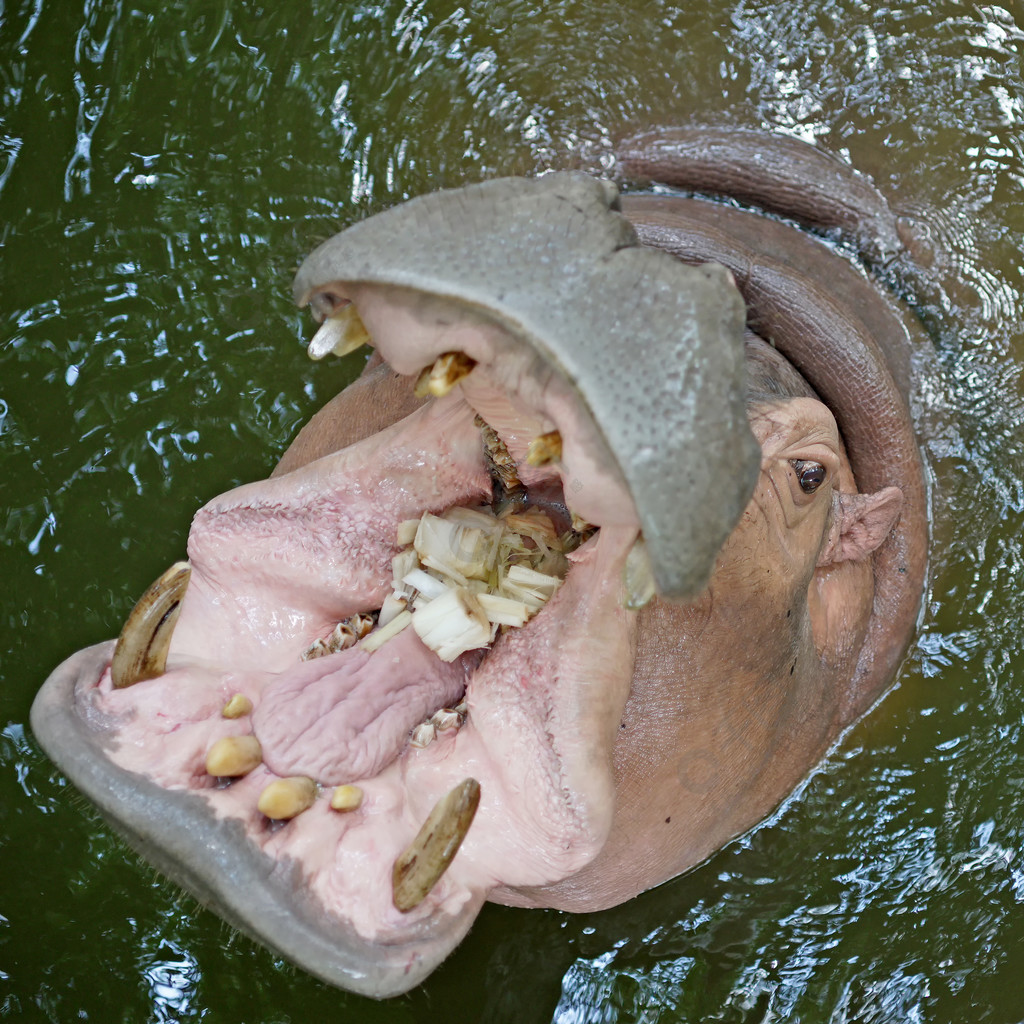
{"x": 550, "y": 270}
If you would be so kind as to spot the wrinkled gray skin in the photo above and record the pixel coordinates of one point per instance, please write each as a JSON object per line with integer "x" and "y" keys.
{"x": 672, "y": 757}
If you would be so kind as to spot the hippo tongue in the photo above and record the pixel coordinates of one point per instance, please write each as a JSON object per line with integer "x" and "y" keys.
{"x": 348, "y": 715}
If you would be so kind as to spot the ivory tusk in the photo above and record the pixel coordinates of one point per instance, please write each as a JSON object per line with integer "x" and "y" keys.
{"x": 422, "y": 863}
{"x": 341, "y": 333}
{"x": 638, "y": 577}
{"x": 141, "y": 651}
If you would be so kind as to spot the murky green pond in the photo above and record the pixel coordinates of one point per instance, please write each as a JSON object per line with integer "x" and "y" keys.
{"x": 163, "y": 168}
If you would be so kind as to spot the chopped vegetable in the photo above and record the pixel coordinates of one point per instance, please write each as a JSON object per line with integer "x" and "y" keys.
{"x": 384, "y": 633}
{"x": 452, "y": 624}
{"x": 392, "y": 605}
{"x": 406, "y": 532}
{"x": 421, "y": 580}
{"x": 458, "y": 547}
{"x": 505, "y": 611}
{"x": 467, "y": 573}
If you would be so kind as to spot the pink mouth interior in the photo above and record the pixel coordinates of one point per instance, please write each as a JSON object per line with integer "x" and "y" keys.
{"x": 276, "y": 564}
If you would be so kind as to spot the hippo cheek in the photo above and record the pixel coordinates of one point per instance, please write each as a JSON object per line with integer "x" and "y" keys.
{"x": 287, "y": 793}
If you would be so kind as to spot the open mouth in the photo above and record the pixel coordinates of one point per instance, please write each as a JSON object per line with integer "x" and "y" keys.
{"x": 498, "y": 676}
{"x": 389, "y": 682}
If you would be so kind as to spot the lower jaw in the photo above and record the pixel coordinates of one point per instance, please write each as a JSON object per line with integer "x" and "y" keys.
{"x": 542, "y": 713}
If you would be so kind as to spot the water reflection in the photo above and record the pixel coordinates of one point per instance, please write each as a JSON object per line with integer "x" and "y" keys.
{"x": 164, "y": 166}
{"x": 602, "y": 990}
{"x": 171, "y": 977}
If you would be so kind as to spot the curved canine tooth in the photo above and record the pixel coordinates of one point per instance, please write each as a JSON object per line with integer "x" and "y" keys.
{"x": 448, "y": 369}
{"x": 286, "y": 798}
{"x": 427, "y": 857}
{"x": 544, "y": 449}
{"x": 141, "y": 651}
{"x": 341, "y": 333}
{"x": 233, "y": 756}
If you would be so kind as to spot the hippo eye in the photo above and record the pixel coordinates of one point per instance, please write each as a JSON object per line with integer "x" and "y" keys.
{"x": 810, "y": 475}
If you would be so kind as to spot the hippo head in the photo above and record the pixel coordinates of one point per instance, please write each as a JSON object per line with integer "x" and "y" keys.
{"x": 662, "y": 594}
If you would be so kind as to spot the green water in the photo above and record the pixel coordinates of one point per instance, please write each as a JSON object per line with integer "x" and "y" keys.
{"x": 163, "y": 168}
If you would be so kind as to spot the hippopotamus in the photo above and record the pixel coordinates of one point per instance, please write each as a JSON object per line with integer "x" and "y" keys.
{"x": 682, "y": 416}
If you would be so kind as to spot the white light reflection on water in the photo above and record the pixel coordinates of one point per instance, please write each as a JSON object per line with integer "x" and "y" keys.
{"x": 171, "y": 976}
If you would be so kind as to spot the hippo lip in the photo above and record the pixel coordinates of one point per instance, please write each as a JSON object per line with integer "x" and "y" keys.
{"x": 275, "y": 564}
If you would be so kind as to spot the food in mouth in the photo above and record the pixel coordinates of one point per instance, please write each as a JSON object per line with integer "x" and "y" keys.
{"x": 458, "y": 580}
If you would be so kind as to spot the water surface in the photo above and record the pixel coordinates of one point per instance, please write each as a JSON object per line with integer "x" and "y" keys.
{"x": 164, "y": 167}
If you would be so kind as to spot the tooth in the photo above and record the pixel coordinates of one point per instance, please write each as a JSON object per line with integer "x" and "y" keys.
{"x": 544, "y": 449}
{"x": 234, "y": 756}
{"x": 423, "y": 735}
{"x": 342, "y": 637}
{"x": 638, "y": 577}
{"x": 350, "y": 631}
{"x": 447, "y": 371}
{"x": 238, "y": 707}
{"x": 445, "y": 719}
{"x": 340, "y": 333}
{"x": 346, "y": 798}
{"x": 286, "y": 798}
{"x": 509, "y": 492}
{"x": 317, "y": 649}
{"x": 427, "y": 857}
{"x": 141, "y": 651}
{"x": 580, "y": 525}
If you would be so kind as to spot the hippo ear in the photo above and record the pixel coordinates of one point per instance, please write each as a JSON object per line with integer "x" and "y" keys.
{"x": 860, "y": 522}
